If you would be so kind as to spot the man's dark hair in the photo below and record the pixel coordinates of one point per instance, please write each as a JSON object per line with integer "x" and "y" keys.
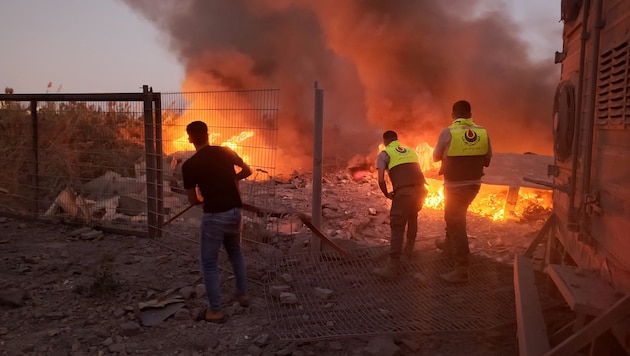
{"x": 462, "y": 109}
{"x": 390, "y": 136}
{"x": 198, "y": 132}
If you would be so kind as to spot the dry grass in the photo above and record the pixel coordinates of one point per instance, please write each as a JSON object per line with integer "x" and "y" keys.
{"x": 76, "y": 142}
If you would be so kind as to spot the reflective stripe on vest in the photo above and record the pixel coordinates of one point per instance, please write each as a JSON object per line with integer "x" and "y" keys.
{"x": 399, "y": 154}
{"x": 467, "y": 139}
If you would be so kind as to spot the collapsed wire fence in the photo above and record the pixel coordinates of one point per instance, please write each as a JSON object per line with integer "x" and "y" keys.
{"x": 325, "y": 296}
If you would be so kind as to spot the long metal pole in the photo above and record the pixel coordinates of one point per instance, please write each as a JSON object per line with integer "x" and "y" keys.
{"x": 598, "y": 24}
{"x": 157, "y": 98}
{"x": 318, "y": 130}
{"x": 573, "y": 216}
{"x": 149, "y": 146}
{"x": 35, "y": 182}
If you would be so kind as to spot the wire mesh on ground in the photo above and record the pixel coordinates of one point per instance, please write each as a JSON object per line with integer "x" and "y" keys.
{"x": 362, "y": 304}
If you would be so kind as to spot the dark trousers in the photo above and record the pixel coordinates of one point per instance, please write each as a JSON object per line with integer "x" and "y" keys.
{"x": 456, "y": 202}
{"x": 404, "y": 214}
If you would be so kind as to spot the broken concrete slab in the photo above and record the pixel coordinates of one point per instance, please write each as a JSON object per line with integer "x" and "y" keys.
{"x": 155, "y": 316}
{"x": 132, "y": 204}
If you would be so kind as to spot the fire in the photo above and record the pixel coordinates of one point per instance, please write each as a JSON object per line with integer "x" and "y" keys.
{"x": 182, "y": 143}
{"x": 491, "y": 202}
{"x": 435, "y": 198}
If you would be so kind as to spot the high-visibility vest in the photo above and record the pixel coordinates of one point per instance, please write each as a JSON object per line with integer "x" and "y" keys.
{"x": 466, "y": 153}
{"x": 404, "y": 166}
{"x": 467, "y": 139}
{"x": 399, "y": 154}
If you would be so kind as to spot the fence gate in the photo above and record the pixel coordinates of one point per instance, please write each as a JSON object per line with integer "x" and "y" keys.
{"x": 113, "y": 160}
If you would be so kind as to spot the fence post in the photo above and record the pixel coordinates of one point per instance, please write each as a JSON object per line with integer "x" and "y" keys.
{"x": 35, "y": 168}
{"x": 149, "y": 146}
{"x": 157, "y": 98}
{"x": 317, "y": 166}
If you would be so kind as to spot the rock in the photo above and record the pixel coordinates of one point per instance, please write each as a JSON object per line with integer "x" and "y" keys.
{"x": 200, "y": 290}
{"x": 287, "y": 350}
{"x": 254, "y": 350}
{"x": 119, "y": 312}
{"x": 116, "y": 348}
{"x": 91, "y": 235}
{"x": 12, "y": 297}
{"x": 261, "y": 340}
{"x": 132, "y": 204}
{"x": 130, "y": 328}
{"x": 186, "y": 292}
{"x": 411, "y": 345}
{"x": 335, "y": 346}
{"x": 277, "y": 290}
{"x": 54, "y": 315}
{"x": 80, "y": 231}
{"x": 288, "y": 298}
{"x": 286, "y": 278}
{"x": 381, "y": 346}
{"x": 183, "y": 314}
{"x": 323, "y": 293}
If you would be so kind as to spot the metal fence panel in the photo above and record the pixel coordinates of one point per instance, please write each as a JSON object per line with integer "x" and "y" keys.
{"x": 69, "y": 159}
{"x": 247, "y": 122}
{"x": 114, "y": 160}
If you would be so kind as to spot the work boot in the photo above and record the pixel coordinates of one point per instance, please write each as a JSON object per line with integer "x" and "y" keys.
{"x": 243, "y": 300}
{"x": 408, "y": 251}
{"x": 458, "y": 275}
{"x": 444, "y": 246}
{"x": 391, "y": 271}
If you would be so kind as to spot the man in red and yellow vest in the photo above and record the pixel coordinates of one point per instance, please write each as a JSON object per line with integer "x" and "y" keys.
{"x": 407, "y": 197}
{"x": 464, "y": 149}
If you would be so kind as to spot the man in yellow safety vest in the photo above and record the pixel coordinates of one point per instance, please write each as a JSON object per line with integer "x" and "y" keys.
{"x": 407, "y": 197}
{"x": 464, "y": 150}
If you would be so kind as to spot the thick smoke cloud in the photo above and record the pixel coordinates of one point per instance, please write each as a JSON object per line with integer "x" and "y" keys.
{"x": 383, "y": 65}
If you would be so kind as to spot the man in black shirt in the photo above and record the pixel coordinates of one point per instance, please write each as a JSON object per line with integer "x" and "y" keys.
{"x": 211, "y": 171}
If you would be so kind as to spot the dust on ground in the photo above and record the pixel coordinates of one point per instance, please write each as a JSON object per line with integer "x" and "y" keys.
{"x": 67, "y": 290}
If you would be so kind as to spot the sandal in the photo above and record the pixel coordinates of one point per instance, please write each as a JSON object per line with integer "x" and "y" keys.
{"x": 210, "y": 316}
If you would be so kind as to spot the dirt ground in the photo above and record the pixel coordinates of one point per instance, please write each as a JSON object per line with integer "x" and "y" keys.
{"x": 67, "y": 290}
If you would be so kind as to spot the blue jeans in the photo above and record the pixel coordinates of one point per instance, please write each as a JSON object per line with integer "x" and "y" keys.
{"x": 221, "y": 229}
{"x": 456, "y": 202}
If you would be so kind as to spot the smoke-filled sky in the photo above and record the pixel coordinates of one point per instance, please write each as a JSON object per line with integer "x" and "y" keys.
{"x": 383, "y": 64}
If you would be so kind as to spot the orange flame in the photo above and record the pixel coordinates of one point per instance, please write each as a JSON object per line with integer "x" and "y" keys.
{"x": 491, "y": 201}
{"x": 182, "y": 143}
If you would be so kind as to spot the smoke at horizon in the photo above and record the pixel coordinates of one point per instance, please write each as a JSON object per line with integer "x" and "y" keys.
{"x": 384, "y": 65}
